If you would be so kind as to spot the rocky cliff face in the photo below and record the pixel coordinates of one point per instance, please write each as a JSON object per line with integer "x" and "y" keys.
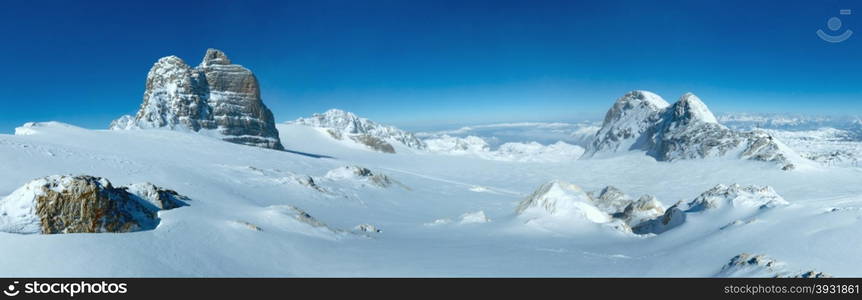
{"x": 216, "y": 96}
{"x": 643, "y": 121}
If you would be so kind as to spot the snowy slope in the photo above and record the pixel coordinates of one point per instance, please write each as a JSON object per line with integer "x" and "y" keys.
{"x": 261, "y": 212}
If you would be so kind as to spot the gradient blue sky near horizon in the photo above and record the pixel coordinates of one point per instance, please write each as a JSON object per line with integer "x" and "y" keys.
{"x": 421, "y": 64}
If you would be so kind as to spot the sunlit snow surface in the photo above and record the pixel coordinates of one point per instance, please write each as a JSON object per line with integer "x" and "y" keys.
{"x": 240, "y": 220}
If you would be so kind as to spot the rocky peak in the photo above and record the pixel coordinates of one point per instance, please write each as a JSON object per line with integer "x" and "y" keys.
{"x": 641, "y": 121}
{"x": 634, "y": 106}
{"x": 217, "y": 96}
{"x": 215, "y": 57}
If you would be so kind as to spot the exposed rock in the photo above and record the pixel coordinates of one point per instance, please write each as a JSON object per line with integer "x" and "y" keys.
{"x": 249, "y": 225}
{"x": 835, "y": 158}
{"x": 645, "y": 208}
{"x": 373, "y": 143}
{"x": 611, "y": 200}
{"x": 737, "y": 223}
{"x": 78, "y": 204}
{"x": 748, "y": 265}
{"x": 161, "y": 198}
{"x": 215, "y": 96}
{"x": 685, "y": 130}
{"x": 341, "y": 124}
{"x": 367, "y": 228}
{"x": 361, "y": 174}
{"x": 309, "y": 182}
{"x": 306, "y": 218}
{"x": 672, "y": 218}
{"x": 300, "y": 221}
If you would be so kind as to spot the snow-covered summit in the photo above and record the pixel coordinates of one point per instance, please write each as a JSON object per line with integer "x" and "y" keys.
{"x": 341, "y": 124}
{"x": 685, "y": 130}
{"x": 627, "y": 121}
{"x": 216, "y": 96}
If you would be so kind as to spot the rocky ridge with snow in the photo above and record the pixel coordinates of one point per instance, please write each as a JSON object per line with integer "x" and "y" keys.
{"x": 346, "y": 125}
{"x": 759, "y": 265}
{"x": 745, "y": 200}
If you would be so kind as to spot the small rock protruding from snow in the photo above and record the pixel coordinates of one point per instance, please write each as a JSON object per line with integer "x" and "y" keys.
{"x": 361, "y": 174}
{"x": 248, "y": 225}
{"x": 161, "y": 198}
{"x": 750, "y": 265}
{"x": 367, "y": 228}
{"x": 81, "y": 204}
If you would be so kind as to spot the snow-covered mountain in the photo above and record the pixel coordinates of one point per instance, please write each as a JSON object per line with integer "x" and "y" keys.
{"x": 687, "y": 129}
{"x": 343, "y": 125}
{"x": 217, "y": 97}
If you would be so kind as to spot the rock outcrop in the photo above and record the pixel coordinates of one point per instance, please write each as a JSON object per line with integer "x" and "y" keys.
{"x": 745, "y": 200}
{"x": 750, "y": 265}
{"x": 643, "y": 121}
{"x": 83, "y": 204}
{"x": 217, "y": 97}
{"x": 345, "y": 125}
{"x": 362, "y": 174}
{"x": 161, "y": 199}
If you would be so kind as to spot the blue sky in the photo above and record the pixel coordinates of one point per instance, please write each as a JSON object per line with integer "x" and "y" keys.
{"x": 421, "y": 63}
